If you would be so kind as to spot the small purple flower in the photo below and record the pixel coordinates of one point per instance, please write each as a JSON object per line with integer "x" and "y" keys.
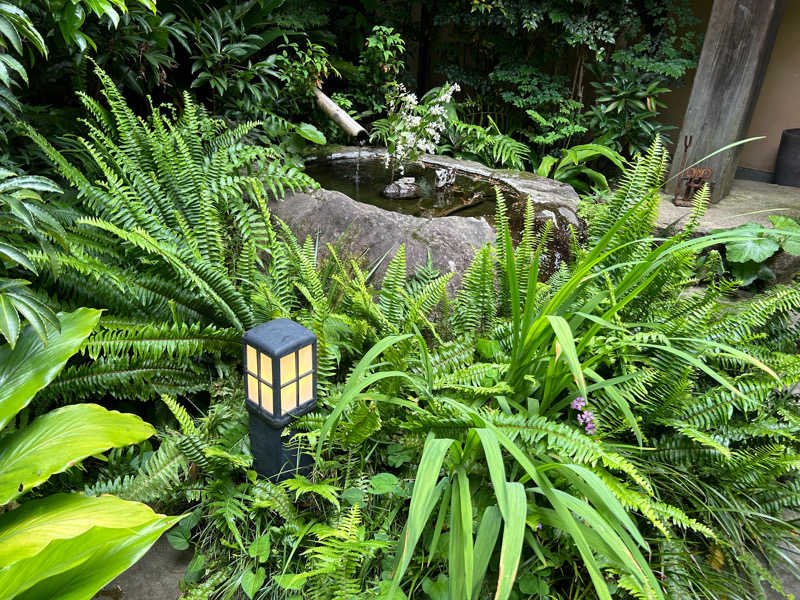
{"x": 539, "y": 527}
{"x": 586, "y": 418}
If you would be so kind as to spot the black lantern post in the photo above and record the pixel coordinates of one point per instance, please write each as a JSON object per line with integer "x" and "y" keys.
{"x": 280, "y": 373}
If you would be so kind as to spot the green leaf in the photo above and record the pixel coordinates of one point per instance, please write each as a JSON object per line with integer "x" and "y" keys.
{"x": 260, "y": 548}
{"x": 513, "y": 535}
{"x": 438, "y": 589}
{"x": 57, "y": 440}
{"x": 301, "y": 485}
{"x": 546, "y": 165}
{"x": 383, "y": 483}
{"x": 293, "y": 581}
{"x": 252, "y": 581}
{"x": 755, "y": 245}
{"x": 485, "y": 541}
{"x": 426, "y": 493}
{"x": 570, "y": 353}
{"x": 196, "y": 568}
{"x": 31, "y": 365}
{"x": 9, "y": 321}
{"x": 353, "y": 495}
{"x": 68, "y": 546}
{"x": 179, "y": 537}
{"x": 748, "y": 272}
{"x": 14, "y": 255}
{"x": 311, "y": 133}
{"x": 789, "y": 231}
{"x": 461, "y": 552}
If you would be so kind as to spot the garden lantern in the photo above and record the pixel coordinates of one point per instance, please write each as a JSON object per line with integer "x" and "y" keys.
{"x": 280, "y": 384}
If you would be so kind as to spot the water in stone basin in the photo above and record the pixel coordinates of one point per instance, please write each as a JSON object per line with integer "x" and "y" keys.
{"x": 466, "y": 197}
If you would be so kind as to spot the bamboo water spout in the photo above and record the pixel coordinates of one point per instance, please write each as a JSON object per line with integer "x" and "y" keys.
{"x": 347, "y": 123}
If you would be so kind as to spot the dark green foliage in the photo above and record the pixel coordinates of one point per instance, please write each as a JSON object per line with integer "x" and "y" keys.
{"x": 624, "y": 116}
{"x": 609, "y": 430}
{"x": 169, "y": 238}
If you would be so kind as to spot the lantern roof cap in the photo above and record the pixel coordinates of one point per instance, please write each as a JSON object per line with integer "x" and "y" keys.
{"x": 279, "y": 337}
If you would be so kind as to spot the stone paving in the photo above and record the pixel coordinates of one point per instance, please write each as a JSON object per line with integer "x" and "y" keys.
{"x": 748, "y": 202}
{"x": 155, "y": 577}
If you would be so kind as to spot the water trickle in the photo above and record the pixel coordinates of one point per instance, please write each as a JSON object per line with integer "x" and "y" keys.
{"x": 358, "y": 165}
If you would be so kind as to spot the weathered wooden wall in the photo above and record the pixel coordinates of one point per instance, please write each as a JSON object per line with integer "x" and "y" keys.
{"x": 733, "y": 62}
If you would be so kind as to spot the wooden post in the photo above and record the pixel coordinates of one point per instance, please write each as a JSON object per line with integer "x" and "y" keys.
{"x": 733, "y": 62}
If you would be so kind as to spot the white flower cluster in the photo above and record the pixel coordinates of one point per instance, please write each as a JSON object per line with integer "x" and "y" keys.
{"x": 417, "y": 128}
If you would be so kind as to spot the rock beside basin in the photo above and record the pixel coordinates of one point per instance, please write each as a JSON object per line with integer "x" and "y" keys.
{"x": 403, "y": 188}
{"x": 366, "y": 230}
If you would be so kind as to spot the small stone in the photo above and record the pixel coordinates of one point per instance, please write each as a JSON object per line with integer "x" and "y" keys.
{"x": 403, "y": 188}
{"x": 445, "y": 178}
{"x": 785, "y": 266}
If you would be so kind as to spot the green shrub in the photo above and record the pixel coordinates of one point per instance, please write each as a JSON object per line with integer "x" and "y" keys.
{"x": 65, "y": 545}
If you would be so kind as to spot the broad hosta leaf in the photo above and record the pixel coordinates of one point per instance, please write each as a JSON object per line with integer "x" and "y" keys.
{"x": 68, "y": 546}
{"x": 748, "y": 272}
{"x": 789, "y": 233}
{"x": 55, "y": 441}
{"x": 757, "y": 246}
{"x": 311, "y": 133}
{"x": 31, "y": 365}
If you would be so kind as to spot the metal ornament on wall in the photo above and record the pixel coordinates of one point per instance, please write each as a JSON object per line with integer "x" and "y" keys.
{"x": 280, "y": 380}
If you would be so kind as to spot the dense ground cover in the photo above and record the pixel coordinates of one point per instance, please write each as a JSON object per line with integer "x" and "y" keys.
{"x": 618, "y": 429}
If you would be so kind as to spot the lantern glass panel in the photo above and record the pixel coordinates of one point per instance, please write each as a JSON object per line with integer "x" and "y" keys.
{"x": 266, "y": 368}
{"x": 252, "y": 389}
{"x": 252, "y": 363}
{"x": 306, "y": 389}
{"x": 306, "y": 360}
{"x": 266, "y": 397}
{"x": 288, "y": 397}
{"x": 288, "y": 367}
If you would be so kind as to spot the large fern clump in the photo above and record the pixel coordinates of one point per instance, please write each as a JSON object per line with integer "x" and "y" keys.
{"x": 171, "y": 237}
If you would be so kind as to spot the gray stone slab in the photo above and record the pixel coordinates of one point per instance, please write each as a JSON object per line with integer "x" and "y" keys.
{"x": 748, "y": 202}
{"x": 155, "y": 577}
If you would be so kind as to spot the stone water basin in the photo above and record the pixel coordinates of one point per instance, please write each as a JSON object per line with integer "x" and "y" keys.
{"x": 449, "y": 224}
